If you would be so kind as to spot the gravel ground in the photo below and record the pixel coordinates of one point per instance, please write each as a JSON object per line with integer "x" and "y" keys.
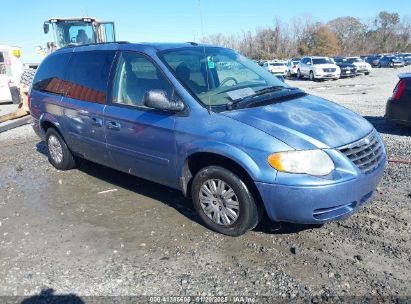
{"x": 57, "y": 231}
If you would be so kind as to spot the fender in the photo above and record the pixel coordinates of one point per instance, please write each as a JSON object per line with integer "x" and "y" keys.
{"x": 48, "y": 118}
{"x": 243, "y": 159}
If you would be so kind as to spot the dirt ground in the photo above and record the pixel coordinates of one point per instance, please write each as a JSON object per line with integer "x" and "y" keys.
{"x": 64, "y": 231}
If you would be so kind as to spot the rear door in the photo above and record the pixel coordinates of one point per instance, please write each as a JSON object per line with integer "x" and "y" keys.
{"x": 141, "y": 140}
{"x": 84, "y": 102}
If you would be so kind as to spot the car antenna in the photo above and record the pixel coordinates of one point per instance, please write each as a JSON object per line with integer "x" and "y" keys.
{"x": 205, "y": 55}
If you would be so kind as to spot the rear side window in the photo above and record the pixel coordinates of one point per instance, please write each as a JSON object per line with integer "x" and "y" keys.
{"x": 50, "y": 75}
{"x": 88, "y": 75}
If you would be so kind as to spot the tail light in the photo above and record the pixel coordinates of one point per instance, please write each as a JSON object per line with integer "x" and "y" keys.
{"x": 399, "y": 89}
{"x": 28, "y": 101}
{"x": 294, "y": 66}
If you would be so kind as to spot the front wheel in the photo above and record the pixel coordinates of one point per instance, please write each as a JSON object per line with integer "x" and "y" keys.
{"x": 299, "y": 75}
{"x": 223, "y": 201}
{"x": 312, "y": 78}
{"x": 60, "y": 155}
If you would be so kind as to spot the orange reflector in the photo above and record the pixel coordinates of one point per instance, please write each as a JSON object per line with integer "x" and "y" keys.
{"x": 275, "y": 161}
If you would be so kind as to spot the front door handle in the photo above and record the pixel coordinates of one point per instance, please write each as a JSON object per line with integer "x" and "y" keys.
{"x": 113, "y": 125}
{"x": 95, "y": 121}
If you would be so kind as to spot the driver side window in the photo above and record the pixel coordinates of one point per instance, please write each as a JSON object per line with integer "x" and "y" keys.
{"x": 135, "y": 76}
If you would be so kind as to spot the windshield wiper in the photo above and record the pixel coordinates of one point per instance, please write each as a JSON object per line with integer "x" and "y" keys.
{"x": 235, "y": 103}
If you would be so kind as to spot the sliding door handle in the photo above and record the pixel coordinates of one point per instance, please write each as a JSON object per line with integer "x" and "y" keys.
{"x": 113, "y": 125}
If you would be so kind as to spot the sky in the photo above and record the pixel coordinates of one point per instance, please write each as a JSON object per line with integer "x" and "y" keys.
{"x": 21, "y": 22}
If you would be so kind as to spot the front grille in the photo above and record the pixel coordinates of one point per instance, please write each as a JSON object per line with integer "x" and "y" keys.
{"x": 366, "y": 153}
{"x": 329, "y": 70}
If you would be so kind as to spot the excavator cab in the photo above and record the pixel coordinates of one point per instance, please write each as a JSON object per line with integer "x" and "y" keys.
{"x": 78, "y": 31}
{"x": 66, "y": 32}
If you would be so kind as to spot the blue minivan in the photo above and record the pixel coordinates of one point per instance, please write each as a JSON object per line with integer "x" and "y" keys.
{"x": 212, "y": 123}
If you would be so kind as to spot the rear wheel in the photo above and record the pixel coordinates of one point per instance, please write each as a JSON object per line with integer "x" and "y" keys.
{"x": 223, "y": 201}
{"x": 299, "y": 75}
{"x": 60, "y": 155}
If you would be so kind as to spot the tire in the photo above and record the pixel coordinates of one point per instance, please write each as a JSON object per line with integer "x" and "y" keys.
{"x": 204, "y": 197}
{"x": 27, "y": 77}
{"x": 312, "y": 78}
{"x": 59, "y": 154}
{"x": 367, "y": 73}
{"x": 299, "y": 75}
{"x": 379, "y": 65}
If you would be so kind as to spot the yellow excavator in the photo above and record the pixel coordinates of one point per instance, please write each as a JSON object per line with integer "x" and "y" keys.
{"x": 67, "y": 32}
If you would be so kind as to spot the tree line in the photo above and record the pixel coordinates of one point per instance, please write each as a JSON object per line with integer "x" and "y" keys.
{"x": 346, "y": 36}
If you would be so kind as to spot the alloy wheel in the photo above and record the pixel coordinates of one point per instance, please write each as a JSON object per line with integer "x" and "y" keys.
{"x": 55, "y": 149}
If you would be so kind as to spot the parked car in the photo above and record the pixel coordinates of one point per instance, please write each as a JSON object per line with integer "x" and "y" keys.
{"x": 362, "y": 66}
{"x": 347, "y": 69}
{"x": 292, "y": 66}
{"x": 276, "y": 67}
{"x": 317, "y": 68}
{"x": 239, "y": 142}
{"x": 398, "y": 109}
{"x": 390, "y": 61}
{"x": 373, "y": 60}
{"x": 406, "y": 57}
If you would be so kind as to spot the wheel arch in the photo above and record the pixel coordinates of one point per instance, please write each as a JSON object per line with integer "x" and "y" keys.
{"x": 200, "y": 159}
{"x": 47, "y": 121}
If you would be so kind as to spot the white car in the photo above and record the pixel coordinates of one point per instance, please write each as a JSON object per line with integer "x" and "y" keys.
{"x": 362, "y": 66}
{"x": 276, "y": 67}
{"x": 316, "y": 68}
{"x": 292, "y": 66}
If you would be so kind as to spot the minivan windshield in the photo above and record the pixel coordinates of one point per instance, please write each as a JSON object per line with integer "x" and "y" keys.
{"x": 218, "y": 76}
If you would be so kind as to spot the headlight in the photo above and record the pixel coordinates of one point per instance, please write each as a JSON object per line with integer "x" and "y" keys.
{"x": 313, "y": 162}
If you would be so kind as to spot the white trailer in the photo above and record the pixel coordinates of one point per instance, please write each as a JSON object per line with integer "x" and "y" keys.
{"x": 11, "y": 69}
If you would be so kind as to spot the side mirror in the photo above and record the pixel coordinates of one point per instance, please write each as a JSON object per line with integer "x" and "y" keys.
{"x": 157, "y": 99}
{"x": 309, "y": 62}
{"x": 46, "y": 28}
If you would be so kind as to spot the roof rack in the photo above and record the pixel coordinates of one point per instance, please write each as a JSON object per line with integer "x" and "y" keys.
{"x": 96, "y": 43}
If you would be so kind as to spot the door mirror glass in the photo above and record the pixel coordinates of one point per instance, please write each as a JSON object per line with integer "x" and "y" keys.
{"x": 157, "y": 99}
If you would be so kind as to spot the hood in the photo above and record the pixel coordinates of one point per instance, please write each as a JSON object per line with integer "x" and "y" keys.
{"x": 305, "y": 123}
{"x": 346, "y": 65}
{"x": 326, "y": 66}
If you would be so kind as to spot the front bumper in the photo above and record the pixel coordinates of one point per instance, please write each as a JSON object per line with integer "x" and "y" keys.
{"x": 319, "y": 74}
{"x": 316, "y": 204}
{"x": 347, "y": 73}
{"x": 327, "y": 76}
